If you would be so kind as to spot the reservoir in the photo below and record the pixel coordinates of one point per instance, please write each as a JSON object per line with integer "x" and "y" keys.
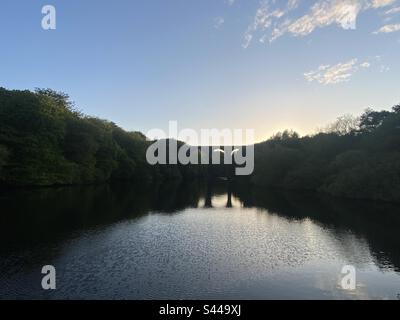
{"x": 191, "y": 241}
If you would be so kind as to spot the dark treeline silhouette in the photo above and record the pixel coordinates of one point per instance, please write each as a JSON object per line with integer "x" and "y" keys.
{"x": 354, "y": 157}
{"x": 45, "y": 140}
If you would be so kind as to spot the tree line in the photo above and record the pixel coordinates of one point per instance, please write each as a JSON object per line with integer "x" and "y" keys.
{"x": 353, "y": 157}
{"x": 45, "y": 140}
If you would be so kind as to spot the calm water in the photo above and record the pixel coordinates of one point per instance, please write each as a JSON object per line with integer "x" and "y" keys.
{"x": 192, "y": 242}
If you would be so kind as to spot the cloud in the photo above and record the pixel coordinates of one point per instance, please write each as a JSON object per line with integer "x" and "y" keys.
{"x": 293, "y": 4}
{"x": 266, "y": 15}
{"x": 274, "y": 19}
{"x": 218, "y": 22}
{"x": 389, "y": 28}
{"x": 341, "y": 72}
{"x": 382, "y": 3}
{"x": 325, "y": 13}
{"x": 393, "y": 11}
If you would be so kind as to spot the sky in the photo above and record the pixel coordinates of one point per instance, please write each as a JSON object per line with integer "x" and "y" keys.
{"x": 266, "y": 65}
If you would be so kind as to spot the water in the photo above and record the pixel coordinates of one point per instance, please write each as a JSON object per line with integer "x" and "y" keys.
{"x": 195, "y": 242}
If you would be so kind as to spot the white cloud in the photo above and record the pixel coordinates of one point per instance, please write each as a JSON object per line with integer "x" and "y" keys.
{"x": 293, "y": 4}
{"x": 382, "y": 3}
{"x": 389, "y": 28}
{"x": 324, "y": 13}
{"x": 218, "y": 22}
{"x": 272, "y": 18}
{"x": 248, "y": 37}
{"x": 341, "y": 72}
{"x": 266, "y": 15}
{"x": 393, "y": 11}
{"x": 365, "y": 64}
{"x": 384, "y": 69}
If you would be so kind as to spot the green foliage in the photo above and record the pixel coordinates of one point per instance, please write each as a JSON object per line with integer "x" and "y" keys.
{"x": 3, "y": 156}
{"x": 45, "y": 141}
{"x": 351, "y": 159}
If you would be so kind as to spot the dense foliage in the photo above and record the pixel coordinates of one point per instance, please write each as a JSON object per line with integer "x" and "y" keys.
{"x": 356, "y": 158}
{"x": 45, "y": 141}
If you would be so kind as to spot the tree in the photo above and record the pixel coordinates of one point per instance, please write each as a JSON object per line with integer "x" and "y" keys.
{"x": 285, "y": 135}
{"x": 4, "y": 154}
{"x": 344, "y": 125}
{"x": 371, "y": 120}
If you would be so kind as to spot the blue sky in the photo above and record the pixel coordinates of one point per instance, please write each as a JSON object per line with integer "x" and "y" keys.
{"x": 267, "y": 65}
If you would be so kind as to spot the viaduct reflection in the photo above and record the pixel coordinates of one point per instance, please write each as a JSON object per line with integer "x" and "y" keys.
{"x": 210, "y": 192}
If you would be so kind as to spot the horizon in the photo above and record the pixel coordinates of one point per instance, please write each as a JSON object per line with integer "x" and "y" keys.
{"x": 317, "y": 129}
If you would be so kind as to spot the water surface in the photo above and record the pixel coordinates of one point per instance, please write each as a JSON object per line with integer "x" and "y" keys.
{"x": 194, "y": 242}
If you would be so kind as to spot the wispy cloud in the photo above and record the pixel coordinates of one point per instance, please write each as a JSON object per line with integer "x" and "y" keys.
{"x": 393, "y": 11}
{"x": 382, "y": 3}
{"x": 266, "y": 16}
{"x": 323, "y": 14}
{"x": 293, "y": 4}
{"x": 341, "y": 72}
{"x": 389, "y": 28}
{"x": 218, "y": 22}
{"x": 274, "y": 19}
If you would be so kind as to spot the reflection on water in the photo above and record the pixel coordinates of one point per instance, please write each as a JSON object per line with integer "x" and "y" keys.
{"x": 195, "y": 242}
